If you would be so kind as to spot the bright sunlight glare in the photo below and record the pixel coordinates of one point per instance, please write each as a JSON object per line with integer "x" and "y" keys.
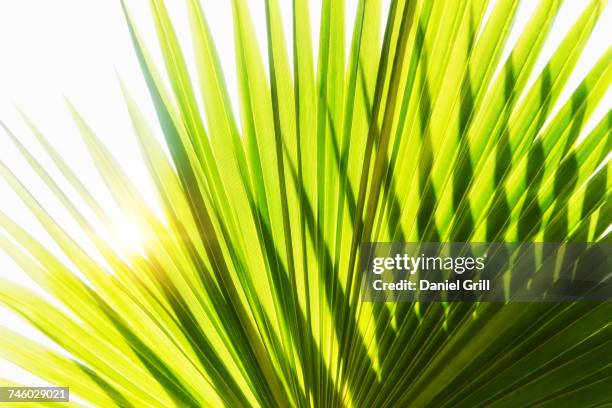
{"x": 127, "y": 238}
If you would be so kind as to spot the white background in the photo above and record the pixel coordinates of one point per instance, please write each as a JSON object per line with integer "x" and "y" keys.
{"x": 76, "y": 48}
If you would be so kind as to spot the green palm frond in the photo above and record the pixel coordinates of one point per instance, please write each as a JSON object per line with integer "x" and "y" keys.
{"x": 246, "y": 291}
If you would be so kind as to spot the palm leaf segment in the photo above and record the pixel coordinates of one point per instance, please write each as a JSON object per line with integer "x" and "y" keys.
{"x": 247, "y": 291}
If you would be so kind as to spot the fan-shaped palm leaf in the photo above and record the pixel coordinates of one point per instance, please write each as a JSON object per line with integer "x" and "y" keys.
{"x": 247, "y": 291}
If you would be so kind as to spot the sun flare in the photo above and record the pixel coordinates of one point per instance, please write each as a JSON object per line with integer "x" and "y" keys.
{"x": 127, "y": 237}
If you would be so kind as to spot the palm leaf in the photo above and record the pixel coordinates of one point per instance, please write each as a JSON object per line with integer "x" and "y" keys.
{"x": 246, "y": 291}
